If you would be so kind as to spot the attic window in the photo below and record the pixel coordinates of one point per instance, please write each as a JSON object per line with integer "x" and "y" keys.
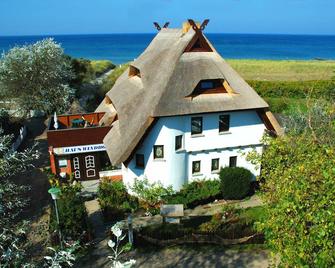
{"x": 198, "y": 44}
{"x": 211, "y": 86}
{"x": 133, "y": 71}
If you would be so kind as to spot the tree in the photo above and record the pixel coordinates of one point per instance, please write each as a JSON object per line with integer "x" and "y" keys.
{"x": 37, "y": 75}
{"x": 298, "y": 184}
{"x": 12, "y": 231}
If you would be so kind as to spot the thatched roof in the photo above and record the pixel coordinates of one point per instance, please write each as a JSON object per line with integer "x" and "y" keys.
{"x": 167, "y": 76}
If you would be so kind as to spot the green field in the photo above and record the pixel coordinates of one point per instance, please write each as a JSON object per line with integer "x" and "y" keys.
{"x": 284, "y": 70}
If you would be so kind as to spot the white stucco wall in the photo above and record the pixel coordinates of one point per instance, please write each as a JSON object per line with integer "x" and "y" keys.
{"x": 245, "y": 133}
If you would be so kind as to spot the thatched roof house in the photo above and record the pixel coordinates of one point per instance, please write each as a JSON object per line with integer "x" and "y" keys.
{"x": 164, "y": 81}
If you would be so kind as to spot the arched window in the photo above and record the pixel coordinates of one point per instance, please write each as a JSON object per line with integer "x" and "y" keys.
{"x": 76, "y": 162}
{"x": 77, "y": 174}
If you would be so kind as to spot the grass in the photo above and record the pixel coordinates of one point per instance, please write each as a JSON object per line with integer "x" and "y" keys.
{"x": 254, "y": 214}
{"x": 101, "y": 66}
{"x": 284, "y": 70}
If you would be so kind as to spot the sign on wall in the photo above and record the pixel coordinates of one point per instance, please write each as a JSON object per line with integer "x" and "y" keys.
{"x": 80, "y": 149}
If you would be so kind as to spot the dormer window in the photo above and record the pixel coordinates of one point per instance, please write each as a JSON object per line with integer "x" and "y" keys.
{"x": 211, "y": 86}
{"x": 207, "y": 84}
{"x": 133, "y": 71}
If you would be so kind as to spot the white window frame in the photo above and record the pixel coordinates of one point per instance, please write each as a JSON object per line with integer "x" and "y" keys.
{"x": 88, "y": 170}
{"x": 76, "y": 162}
{"x": 89, "y": 161}
{"x": 77, "y": 174}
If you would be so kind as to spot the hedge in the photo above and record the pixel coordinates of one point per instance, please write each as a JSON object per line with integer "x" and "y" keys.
{"x": 196, "y": 193}
{"x": 295, "y": 89}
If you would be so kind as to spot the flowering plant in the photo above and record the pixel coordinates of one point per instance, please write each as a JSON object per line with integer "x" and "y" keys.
{"x": 115, "y": 246}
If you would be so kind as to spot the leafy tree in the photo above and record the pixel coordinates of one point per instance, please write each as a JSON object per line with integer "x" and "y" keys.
{"x": 37, "y": 76}
{"x": 12, "y": 231}
{"x": 299, "y": 187}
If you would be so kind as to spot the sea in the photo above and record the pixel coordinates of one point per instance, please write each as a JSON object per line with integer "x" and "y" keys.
{"x": 121, "y": 48}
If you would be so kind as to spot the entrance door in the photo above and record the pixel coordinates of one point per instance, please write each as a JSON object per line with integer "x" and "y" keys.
{"x": 86, "y": 166}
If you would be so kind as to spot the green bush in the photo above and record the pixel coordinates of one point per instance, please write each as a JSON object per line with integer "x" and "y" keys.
{"x": 83, "y": 72}
{"x": 196, "y": 193}
{"x": 235, "y": 182}
{"x": 151, "y": 195}
{"x": 295, "y": 89}
{"x": 114, "y": 199}
{"x": 278, "y": 105}
{"x": 72, "y": 215}
{"x": 101, "y": 66}
{"x": 109, "y": 82}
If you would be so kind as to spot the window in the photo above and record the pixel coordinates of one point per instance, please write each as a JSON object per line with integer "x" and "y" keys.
{"x": 89, "y": 161}
{"x": 196, "y": 125}
{"x": 232, "y": 161}
{"x": 62, "y": 162}
{"x": 224, "y": 121}
{"x": 215, "y": 164}
{"x": 209, "y": 86}
{"x": 140, "y": 160}
{"x": 196, "y": 167}
{"x": 76, "y": 162}
{"x": 90, "y": 173}
{"x": 178, "y": 142}
{"x": 77, "y": 174}
{"x": 206, "y": 84}
{"x": 158, "y": 151}
{"x": 133, "y": 71}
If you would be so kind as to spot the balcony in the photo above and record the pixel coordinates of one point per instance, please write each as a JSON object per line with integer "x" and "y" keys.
{"x": 76, "y": 129}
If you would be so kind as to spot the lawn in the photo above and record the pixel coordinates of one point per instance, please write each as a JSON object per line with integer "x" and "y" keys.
{"x": 284, "y": 70}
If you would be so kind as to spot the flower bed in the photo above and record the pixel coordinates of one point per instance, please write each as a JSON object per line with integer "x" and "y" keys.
{"x": 228, "y": 228}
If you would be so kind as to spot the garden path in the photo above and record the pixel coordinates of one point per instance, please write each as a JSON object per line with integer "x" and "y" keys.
{"x": 183, "y": 256}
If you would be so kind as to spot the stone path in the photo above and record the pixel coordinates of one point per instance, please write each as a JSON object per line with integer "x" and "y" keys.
{"x": 96, "y": 219}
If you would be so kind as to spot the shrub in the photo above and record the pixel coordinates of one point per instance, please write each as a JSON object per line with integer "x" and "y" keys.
{"x": 196, "y": 193}
{"x": 114, "y": 199}
{"x": 278, "y": 105}
{"x": 151, "y": 195}
{"x": 83, "y": 71}
{"x": 109, "y": 82}
{"x": 235, "y": 182}
{"x": 101, "y": 66}
{"x": 295, "y": 89}
{"x": 72, "y": 214}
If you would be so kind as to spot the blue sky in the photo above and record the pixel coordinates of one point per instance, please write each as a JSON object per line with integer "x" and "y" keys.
{"x": 30, "y": 17}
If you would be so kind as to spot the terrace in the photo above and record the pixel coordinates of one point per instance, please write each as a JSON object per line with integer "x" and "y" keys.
{"x": 76, "y": 129}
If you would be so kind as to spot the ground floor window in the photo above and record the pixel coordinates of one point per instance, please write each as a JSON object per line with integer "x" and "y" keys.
{"x": 232, "y": 161}
{"x": 215, "y": 164}
{"x": 62, "y": 162}
{"x": 196, "y": 167}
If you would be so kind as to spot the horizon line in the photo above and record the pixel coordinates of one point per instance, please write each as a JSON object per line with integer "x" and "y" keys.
{"x": 153, "y": 33}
